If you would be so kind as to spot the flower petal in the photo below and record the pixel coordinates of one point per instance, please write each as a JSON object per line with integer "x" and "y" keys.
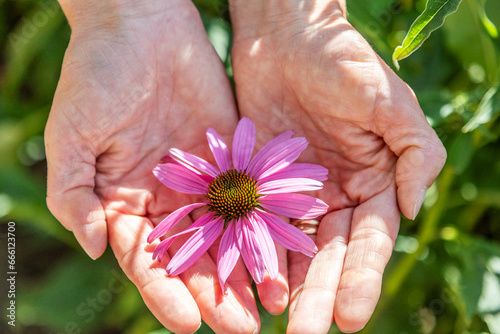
{"x": 279, "y": 157}
{"x": 161, "y": 249}
{"x": 194, "y": 161}
{"x": 243, "y": 144}
{"x": 288, "y": 235}
{"x": 298, "y": 170}
{"x": 266, "y": 244}
{"x": 282, "y": 156}
{"x": 228, "y": 255}
{"x": 195, "y": 247}
{"x": 166, "y": 224}
{"x": 263, "y": 152}
{"x": 250, "y": 250}
{"x": 180, "y": 178}
{"x": 219, "y": 150}
{"x": 163, "y": 246}
{"x": 199, "y": 223}
{"x": 170, "y": 159}
{"x": 288, "y": 186}
{"x": 294, "y": 205}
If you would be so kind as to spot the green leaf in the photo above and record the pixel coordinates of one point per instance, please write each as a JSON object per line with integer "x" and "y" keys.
{"x": 431, "y": 19}
{"x": 477, "y": 278}
{"x": 460, "y": 152}
{"x": 484, "y": 112}
{"x": 471, "y": 44}
{"x": 485, "y": 20}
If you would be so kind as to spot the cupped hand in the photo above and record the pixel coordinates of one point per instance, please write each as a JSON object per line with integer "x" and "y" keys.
{"x": 300, "y": 65}
{"x": 139, "y": 78}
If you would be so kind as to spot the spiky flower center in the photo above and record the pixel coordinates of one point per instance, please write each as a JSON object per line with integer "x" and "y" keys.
{"x": 232, "y": 194}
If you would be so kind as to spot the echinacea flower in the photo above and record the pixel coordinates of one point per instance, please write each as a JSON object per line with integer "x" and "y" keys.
{"x": 244, "y": 197}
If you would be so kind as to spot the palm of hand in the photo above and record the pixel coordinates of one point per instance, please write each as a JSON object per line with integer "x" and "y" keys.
{"x": 115, "y": 92}
{"x": 328, "y": 85}
{"x": 329, "y": 91}
{"x": 119, "y": 109}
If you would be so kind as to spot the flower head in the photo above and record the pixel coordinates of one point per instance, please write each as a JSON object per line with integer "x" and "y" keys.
{"x": 243, "y": 195}
{"x": 232, "y": 194}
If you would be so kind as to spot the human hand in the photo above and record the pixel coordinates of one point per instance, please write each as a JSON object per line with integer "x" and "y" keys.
{"x": 139, "y": 78}
{"x": 300, "y": 65}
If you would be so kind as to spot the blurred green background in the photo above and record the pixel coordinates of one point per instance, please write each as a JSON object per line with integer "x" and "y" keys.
{"x": 444, "y": 276}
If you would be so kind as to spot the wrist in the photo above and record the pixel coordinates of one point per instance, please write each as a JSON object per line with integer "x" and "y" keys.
{"x": 262, "y": 17}
{"x": 111, "y": 15}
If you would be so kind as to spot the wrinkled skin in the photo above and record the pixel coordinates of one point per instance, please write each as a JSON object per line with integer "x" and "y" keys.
{"x": 140, "y": 79}
{"x": 128, "y": 93}
{"x": 308, "y": 70}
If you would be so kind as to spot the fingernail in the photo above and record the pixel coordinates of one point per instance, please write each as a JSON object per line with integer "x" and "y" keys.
{"x": 419, "y": 202}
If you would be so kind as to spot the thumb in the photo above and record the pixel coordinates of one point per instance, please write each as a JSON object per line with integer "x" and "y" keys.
{"x": 416, "y": 170}
{"x": 421, "y": 155}
{"x": 70, "y": 187}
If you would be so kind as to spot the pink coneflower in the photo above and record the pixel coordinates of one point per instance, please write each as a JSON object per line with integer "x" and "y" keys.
{"x": 240, "y": 198}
